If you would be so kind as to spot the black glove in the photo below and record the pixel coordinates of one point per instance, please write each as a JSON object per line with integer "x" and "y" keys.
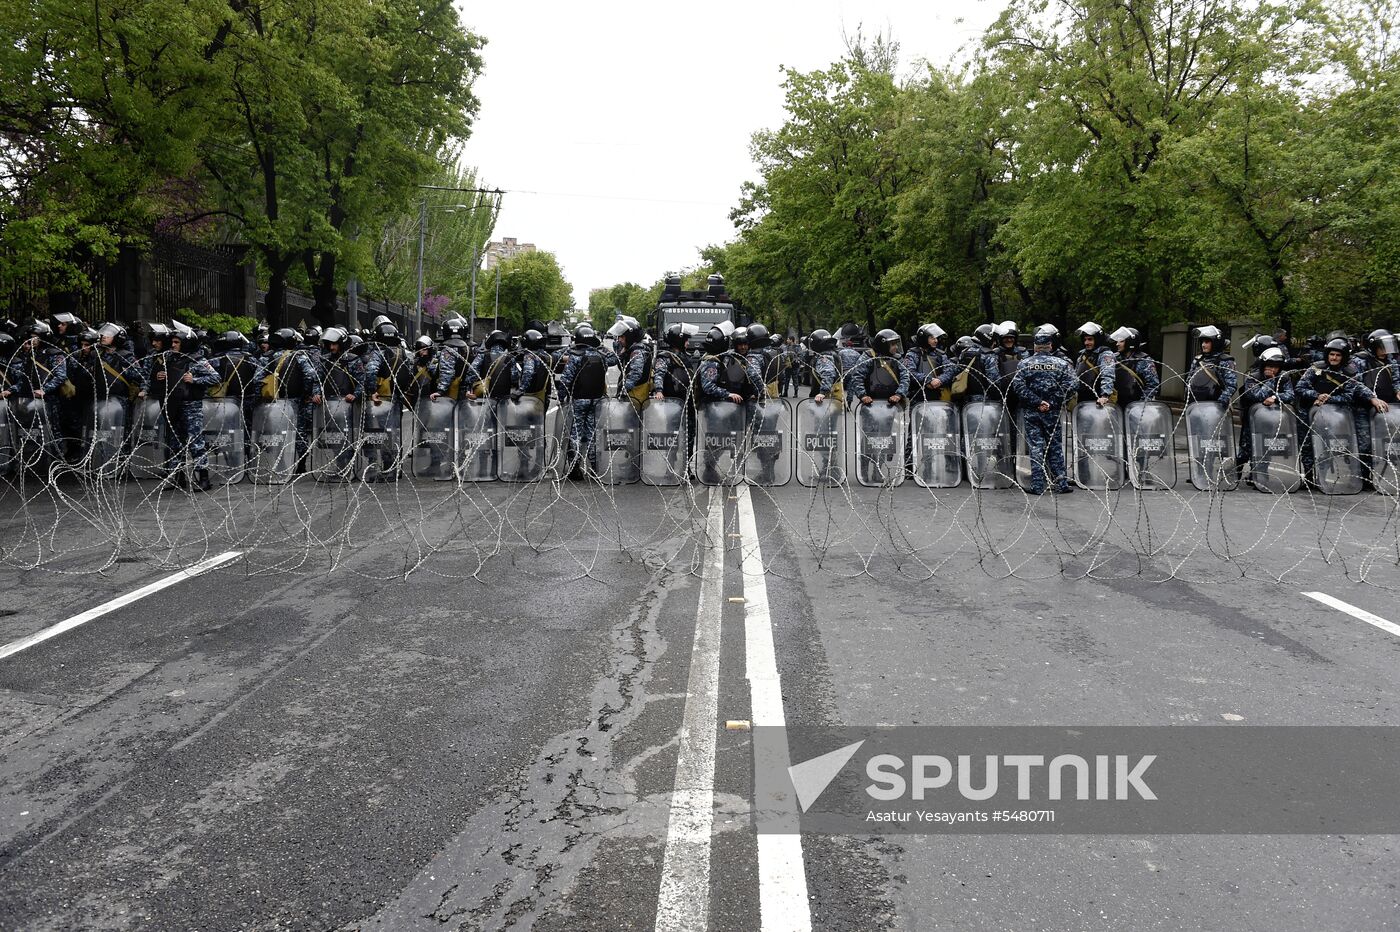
{"x": 516, "y": 394}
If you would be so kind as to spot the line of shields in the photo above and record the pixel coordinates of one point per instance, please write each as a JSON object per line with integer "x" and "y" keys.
{"x": 669, "y": 443}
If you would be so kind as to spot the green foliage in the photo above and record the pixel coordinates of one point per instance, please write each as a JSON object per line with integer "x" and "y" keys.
{"x": 1139, "y": 163}
{"x": 293, "y": 127}
{"x": 96, "y": 115}
{"x": 629, "y": 298}
{"x": 458, "y": 226}
{"x": 215, "y": 323}
{"x": 532, "y": 288}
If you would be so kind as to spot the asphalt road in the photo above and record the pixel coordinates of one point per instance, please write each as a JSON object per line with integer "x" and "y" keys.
{"x": 429, "y": 706}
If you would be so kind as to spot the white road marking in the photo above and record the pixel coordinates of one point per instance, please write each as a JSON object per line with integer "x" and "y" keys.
{"x": 1388, "y": 626}
{"x": 782, "y": 873}
{"x": 683, "y": 904}
{"x": 39, "y": 637}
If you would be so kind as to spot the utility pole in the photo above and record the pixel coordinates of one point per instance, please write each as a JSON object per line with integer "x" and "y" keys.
{"x": 498, "y": 297}
{"x": 476, "y": 262}
{"x": 422, "y": 235}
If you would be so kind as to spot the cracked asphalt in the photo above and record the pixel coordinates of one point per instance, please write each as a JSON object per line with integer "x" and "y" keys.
{"x": 445, "y": 708}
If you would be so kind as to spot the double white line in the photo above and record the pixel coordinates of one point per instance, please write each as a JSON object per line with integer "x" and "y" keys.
{"x": 683, "y": 904}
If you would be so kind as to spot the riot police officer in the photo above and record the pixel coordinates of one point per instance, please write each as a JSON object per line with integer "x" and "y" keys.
{"x": 825, "y": 368}
{"x": 102, "y": 370}
{"x": 1382, "y": 371}
{"x": 1135, "y": 375}
{"x": 999, "y": 364}
{"x": 880, "y": 376}
{"x": 494, "y": 366}
{"x": 179, "y": 378}
{"x": 635, "y": 355}
{"x": 532, "y": 367}
{"x": 287, "y": 372}
{"x": 1095, "y": 366}
{"x": 1267, "y": 384}
{"x": 1041, "y": 384}
{"x": 583, "y": 386}
{"x": 1212, "y": 375}
{"x": 930, "y": 370}
{"x": 1334, "y": 383}
{"x": 725, "y": 375}
{"x": 672, "y": 371}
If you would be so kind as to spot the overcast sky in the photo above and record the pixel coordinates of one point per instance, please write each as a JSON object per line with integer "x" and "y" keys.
{"x": 621, "y": 129}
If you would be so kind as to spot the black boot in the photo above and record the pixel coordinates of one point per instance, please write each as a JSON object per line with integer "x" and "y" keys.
{"x": 201, "y": 480}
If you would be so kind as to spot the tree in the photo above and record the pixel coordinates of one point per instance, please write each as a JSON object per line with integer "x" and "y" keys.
{"x": 830, "y": 175}
{"x": 532, "y": 288}
{"x": 95, "y": 118}
{"x": 459, "y": 225}
{"x": 627, "y": 298}
{"x": 331, "y": 115}
{"x": 1113, "y": 88}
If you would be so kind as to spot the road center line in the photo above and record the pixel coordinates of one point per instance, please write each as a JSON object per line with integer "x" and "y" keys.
{"x": 39, "y": 637}
{"x": 782, "y": 873}
{"x": 683, "y": 904}
{"x": 1388, "y": 626}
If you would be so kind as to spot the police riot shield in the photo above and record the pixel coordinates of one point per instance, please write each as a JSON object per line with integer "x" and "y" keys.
{"x": 433, "y": 435}
{"x": 987, "y": 441}
{"x": 9, "y": 455}
{"x": 558, "y": 418}
{"x": 224, "y": 440}
{"x": 1385, "y": 451}
{"x": 103, "y": 435}
{"x": 382, "y": 441}
{"x": 34, "y": 436}
{"x": 1151, "y": 446}
{"x": 769, "y": 457}
{"x": 1336, "y": 461}
{"x": 1098, "y": 447}
{"x": 937, "y": 456}
{"x": 1210, "y": 441}
{"x": 820, "y": 442}
{"x": 665, "y": 452}
{"x": 879, "y": 444}
{"x": 618, "y": 442}
{"x": 476, "y": 440}
{"x": 520, "y": 441}
{"x": 335, "y": 451}
{"x": 719, "y": 436}
{"x": 150, "y": 454}
{"x": 273, "y": 436}
{"x": 1273, "y": 433}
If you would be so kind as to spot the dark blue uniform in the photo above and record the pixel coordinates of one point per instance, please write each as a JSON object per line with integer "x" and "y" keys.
{"x": 181, "y": 400}
{"x": 583, "y": 384}
{"x": 1212, "y": 377}
{"x": 1048, "y": 379}
{"x": 924, "y": 365}
{"x": 878, "y": 377}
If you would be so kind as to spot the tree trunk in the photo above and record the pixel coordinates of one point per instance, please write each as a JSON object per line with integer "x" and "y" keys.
{"x": 324, "y": 293}
{"x": 277, "y": 269}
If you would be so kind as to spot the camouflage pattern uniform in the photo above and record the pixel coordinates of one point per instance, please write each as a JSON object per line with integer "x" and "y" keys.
{"x": 1044, "y": 378}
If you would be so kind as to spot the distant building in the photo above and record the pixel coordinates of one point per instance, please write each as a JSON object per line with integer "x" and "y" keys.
{"x": 507, "y": 248}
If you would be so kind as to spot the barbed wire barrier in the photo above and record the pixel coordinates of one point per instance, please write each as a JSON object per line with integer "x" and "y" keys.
{"x": 458, "y": 490}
